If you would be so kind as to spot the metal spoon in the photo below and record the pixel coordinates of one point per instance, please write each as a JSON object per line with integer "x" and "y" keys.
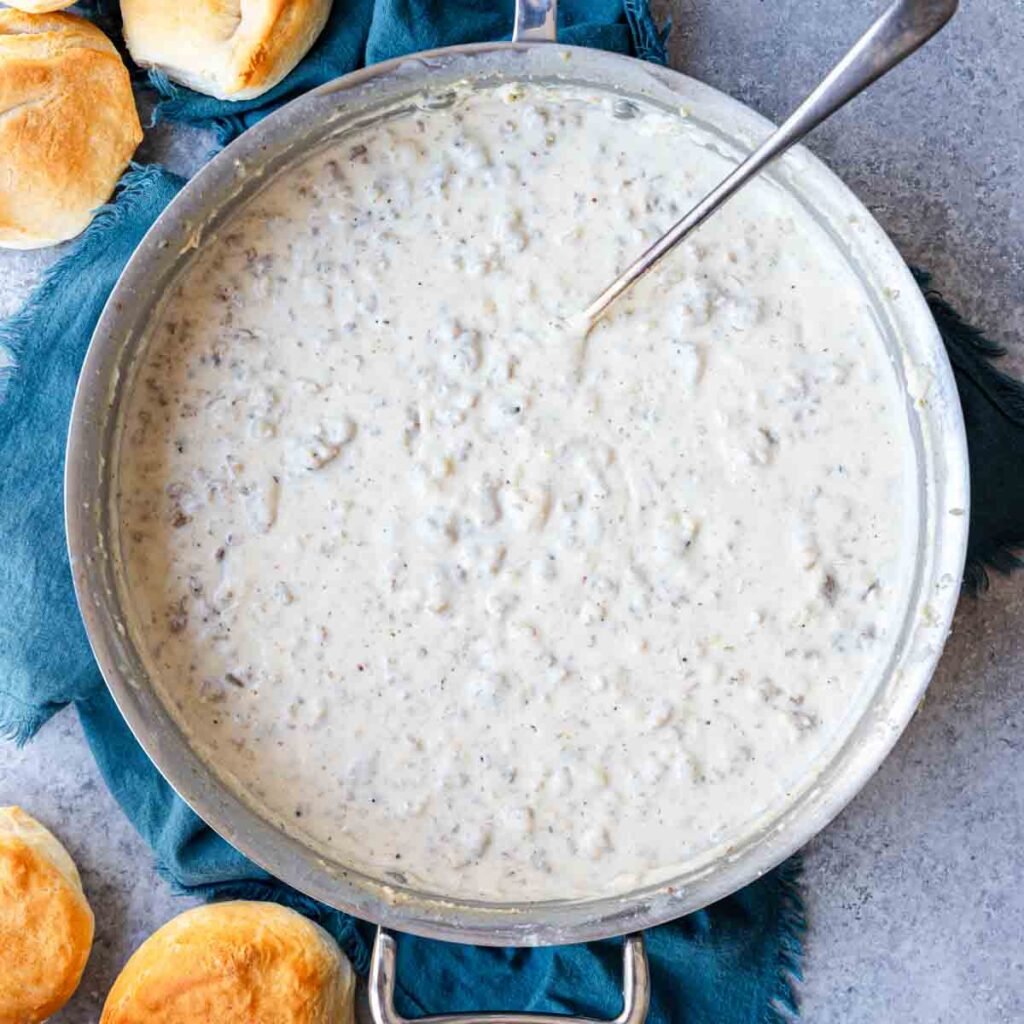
{"x": 905, "y": 26}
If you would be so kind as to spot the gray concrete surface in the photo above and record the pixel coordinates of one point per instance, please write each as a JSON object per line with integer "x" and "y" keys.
{"x": 915, "y": 893}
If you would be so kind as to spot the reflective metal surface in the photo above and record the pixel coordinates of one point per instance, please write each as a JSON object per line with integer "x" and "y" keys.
{"x": 535, "y": 21}
{"x": 636, "y": 991}
{"x": 904, "y": 28}
{"x": 918, "y": 360}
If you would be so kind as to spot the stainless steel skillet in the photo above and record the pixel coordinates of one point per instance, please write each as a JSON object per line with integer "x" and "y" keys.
{"x": 918, "y": 360}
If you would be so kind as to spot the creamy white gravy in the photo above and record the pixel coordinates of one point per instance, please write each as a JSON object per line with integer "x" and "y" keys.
{"x": 470, "y": 604}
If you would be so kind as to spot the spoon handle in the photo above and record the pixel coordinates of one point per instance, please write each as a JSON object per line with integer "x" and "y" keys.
{"x": 905, "y": 26}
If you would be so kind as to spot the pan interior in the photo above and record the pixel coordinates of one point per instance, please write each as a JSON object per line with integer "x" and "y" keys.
{"x": 299, "y": 858}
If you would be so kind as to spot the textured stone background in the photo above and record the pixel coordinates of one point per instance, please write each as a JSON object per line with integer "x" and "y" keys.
{"x": 915, "y": 893}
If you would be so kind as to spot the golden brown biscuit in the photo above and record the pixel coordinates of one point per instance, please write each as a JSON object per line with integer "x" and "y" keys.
{"x": 224, "y": 48}
{"x": 46, "y": 924}
{"x": 234, "y": 963}
{"x": 39, "y": 6}
{"x": 68, "y": 126}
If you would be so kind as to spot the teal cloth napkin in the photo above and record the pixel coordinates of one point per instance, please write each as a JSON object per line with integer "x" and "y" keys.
{"x": 733, "y": 963}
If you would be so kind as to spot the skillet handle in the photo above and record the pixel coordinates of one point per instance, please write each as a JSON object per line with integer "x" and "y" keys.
{"x": 535, "y": 21}
{"x": 636, "y": 992}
